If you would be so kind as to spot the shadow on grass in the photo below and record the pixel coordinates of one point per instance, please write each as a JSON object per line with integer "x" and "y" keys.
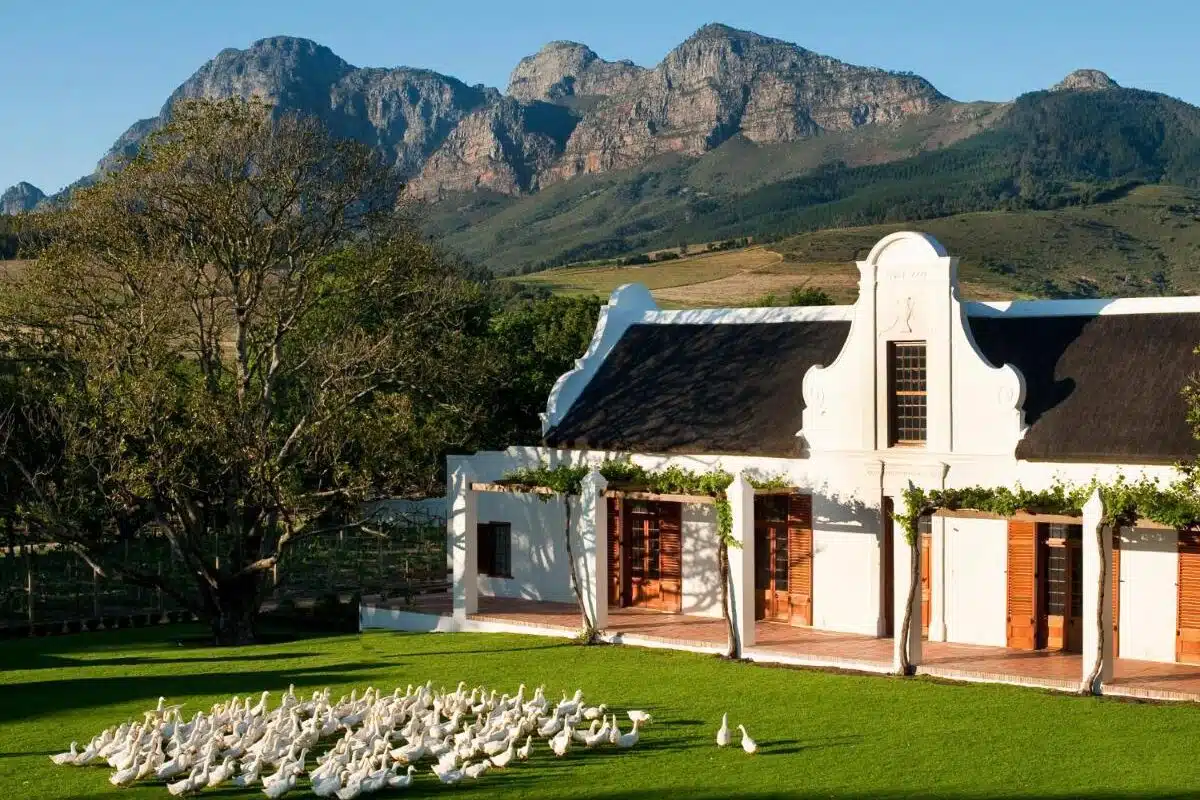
{"x": 48, "y": 697}
{"x": 33, "y": 660}
{"x": 455, "y": 653}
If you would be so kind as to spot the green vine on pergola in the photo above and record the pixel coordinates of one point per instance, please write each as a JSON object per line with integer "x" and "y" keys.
{"x": 568, "y": 480}
{"x": 1176, "y": 505}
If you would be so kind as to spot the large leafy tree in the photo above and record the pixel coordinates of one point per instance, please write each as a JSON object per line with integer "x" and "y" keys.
{"x": 239, "y": 340}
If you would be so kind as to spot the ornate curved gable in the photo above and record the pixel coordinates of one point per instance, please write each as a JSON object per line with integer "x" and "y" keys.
{"x": 908, "y": 292}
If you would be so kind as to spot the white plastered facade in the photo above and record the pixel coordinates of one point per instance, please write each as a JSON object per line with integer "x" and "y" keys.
{"x": 908, "y": 291}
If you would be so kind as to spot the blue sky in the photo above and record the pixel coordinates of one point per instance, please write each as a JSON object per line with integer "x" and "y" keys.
{"x": 78, "y": 72}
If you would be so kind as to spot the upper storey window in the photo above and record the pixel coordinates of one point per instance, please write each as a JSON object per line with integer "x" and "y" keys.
{"x": 906, "y": 393}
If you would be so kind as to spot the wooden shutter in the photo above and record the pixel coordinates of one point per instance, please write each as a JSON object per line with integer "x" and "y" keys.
{"x": 1116, "y": 593}
{"x": 1187, "y": 633}
{"x": 616, "y": 532}
{"x": 1022, "y": 585}
{"x": 670, "y": 533}
{"x": 800, "y": 562}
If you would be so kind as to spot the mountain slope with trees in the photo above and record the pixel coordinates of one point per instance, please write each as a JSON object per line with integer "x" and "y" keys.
{"x": 1048, "y": 150}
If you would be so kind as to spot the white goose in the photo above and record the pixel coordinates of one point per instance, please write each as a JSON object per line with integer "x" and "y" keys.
{"x": 328, "y": 785}
{"x": 724, "y": 736}
{"x": 397, "y": 781}
{"x": 222, "y": 773}
{"x": 503, "y": 759}
{"x": 627, "y": 740}
{"x": 448, "y": 776}
{"x": 637, "y": 715}
{"x": 561, "y": 743}
{"x": 67, "y": 758}
{"x": 748, "y": 744}
{"x": 524, "y": 750}
{"x": 476, "y": 771}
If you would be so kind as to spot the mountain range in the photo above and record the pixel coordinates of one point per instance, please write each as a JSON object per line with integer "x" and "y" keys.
{"x": 732, "y": 133}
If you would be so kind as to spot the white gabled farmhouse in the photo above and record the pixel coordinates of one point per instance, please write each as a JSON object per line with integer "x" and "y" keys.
{"x": 850, "y": 404}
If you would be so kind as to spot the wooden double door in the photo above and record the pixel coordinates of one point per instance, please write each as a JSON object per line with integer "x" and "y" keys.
{"x": 783, "y": 558}
{"x": 1045, "y": 587}
{"x": 645, "y": 563}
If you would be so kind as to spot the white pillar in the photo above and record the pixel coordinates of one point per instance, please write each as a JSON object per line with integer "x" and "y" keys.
{"x": 902, "y": 554}
{"x": 937, "y": 600}
{"x": 463, "y": 525}
{"x": 1095, "y": 557}
{"x": 593, "y": 557}
{"x": 741, "y": 560}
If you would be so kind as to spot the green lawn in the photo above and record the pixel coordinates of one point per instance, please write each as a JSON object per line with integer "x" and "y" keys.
{"x": 821, "y": 734}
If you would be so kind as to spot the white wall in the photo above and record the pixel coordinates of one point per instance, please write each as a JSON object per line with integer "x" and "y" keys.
{"x": 1149, "y": 578}
{"x": 539, "y": 566}
{"x": 701, "y": 571}
{"x": 974, "y": 578}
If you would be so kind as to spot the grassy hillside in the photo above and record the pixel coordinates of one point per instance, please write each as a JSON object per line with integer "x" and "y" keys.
{"x": 1045, "y": 151}
{"x": 1145, "y": 243}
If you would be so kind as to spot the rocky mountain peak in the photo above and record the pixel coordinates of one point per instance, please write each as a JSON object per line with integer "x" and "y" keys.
{"x": 1086, "y": 80}
{"x": 565, "y": 69}
{"x": 718, "y": 30}
{"x": 722, "y": 82}
{"x": 20, "y": 198}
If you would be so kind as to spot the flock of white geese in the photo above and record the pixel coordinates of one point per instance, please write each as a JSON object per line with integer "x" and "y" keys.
{"x": 381, "y": 739}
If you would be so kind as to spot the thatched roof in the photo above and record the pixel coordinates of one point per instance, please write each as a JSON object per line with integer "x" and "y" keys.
{"x": 1100, "y": 388}
{"x": 726, "y": 388}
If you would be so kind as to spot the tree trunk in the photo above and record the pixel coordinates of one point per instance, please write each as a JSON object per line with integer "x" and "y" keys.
{"x": 1090, "y": 684}
{"x": 733, "y": 649}
{"x": 914, "y": 586}
{"x": 589, "y": 628}
{"x": 234, "y": 620}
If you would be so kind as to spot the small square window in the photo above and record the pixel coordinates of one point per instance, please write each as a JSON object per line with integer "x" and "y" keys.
{"x": 494, "y": 549}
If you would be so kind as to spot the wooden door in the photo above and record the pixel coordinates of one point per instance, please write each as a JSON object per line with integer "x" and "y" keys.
{"x": 616, "y": 535}
{"x": 1187, "y": 632}
{"x": 926, "y": 575}
{"x": 1022, "y": 612}
{"x": 771, "y": 599}
{"x": 644, "y": 546}
{"x": 771, "y": 573}
{"x": 887, "y": 564}
{"x": 800, "y": 558}
{"x": 1057, "y": 591}
{"x": 654, "y": 547}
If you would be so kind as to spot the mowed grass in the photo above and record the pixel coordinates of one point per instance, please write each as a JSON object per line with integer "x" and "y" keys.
{"x": 821, "y": 734}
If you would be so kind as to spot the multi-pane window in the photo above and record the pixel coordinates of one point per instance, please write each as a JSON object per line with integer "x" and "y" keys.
{"x": 1056, "y": 581}
{"x": 494, "y": 556}
{"x": 771, "y": 541}
{"x": 1064, "y": 569}
{"x": 645, "y": 557}
{"x": 906, "y": 393}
